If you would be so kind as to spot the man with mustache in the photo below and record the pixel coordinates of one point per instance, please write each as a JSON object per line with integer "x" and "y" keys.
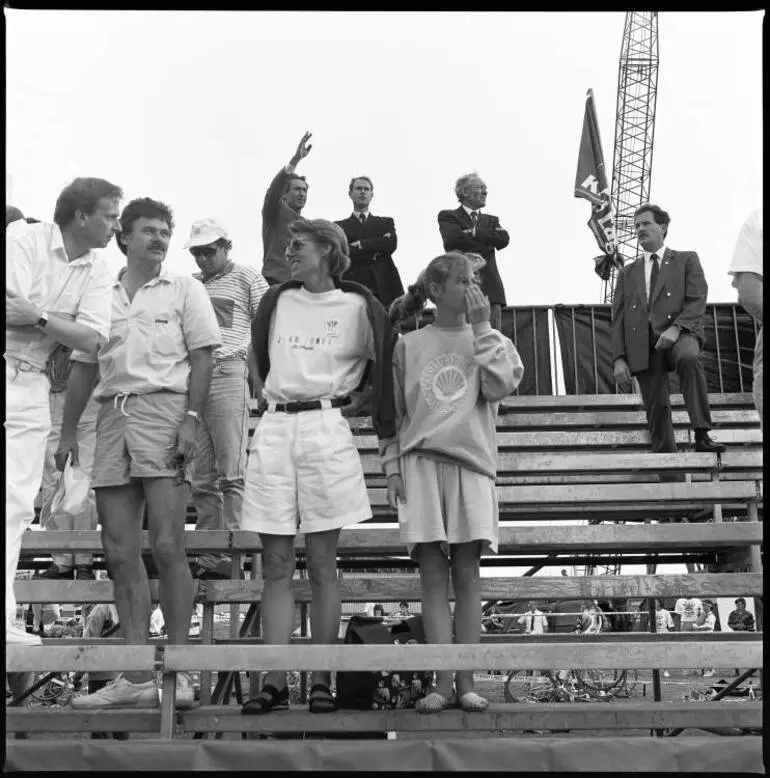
{"x": 220, "y": 460}
{"x": 56, "y": 292}
{"x": 657, "y": 326}
{"x": 286, "y": 197}
{"x": 154, "y": 374}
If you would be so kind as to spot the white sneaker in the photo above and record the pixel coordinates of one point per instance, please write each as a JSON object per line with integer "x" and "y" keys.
{"x": 121, "y": 693}
{"x": 16, "y": 634}
{"x": 185, "y": 694}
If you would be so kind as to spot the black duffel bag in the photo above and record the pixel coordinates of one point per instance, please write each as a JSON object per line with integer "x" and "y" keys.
{"x": 382, "y": 689}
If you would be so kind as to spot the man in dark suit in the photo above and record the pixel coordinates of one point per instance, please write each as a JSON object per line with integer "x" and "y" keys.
{"x": 466, "y": 229}
{"x": 372, "y": 241}
{"x": 657, "y": 326}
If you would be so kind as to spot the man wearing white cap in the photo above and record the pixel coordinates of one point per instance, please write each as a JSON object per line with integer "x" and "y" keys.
{"x": 220, "y": 460}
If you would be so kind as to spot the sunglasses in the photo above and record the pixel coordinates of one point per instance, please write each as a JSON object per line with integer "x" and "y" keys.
{"x": 208, "y": 252}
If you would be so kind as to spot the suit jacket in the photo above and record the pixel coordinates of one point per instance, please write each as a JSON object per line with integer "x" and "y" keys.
{"x": 372, "y": 265}
{"x": 488, "y": 238}
{"x": 679, "y": 298}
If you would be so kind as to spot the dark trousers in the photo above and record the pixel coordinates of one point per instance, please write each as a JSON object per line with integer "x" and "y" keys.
{"x": 496, "y": 317}
{"x": 684, "y": 357}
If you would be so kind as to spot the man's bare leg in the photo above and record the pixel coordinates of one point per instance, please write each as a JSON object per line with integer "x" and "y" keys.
{"x": 166, "y": 509}
{"x": 121, "y": 510}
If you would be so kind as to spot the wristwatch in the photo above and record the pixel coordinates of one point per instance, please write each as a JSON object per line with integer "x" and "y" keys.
{"x": 43, "y": 320}
{"x": 194, "y": 414}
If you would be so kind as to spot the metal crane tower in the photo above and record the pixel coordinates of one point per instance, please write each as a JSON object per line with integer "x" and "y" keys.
{"x": 634, "y": 130}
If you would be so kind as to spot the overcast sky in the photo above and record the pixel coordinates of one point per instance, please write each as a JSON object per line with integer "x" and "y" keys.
{"x": 200, "y": 109}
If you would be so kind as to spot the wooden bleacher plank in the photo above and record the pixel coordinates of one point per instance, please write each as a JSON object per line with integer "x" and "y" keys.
{"x": 618, "y": 714}
{"x": 395, "y": 588}
{"x": 55, "y": 656}
{"x": 575, "y": 494}
{"x": 639, "y": 656}
{"x": 594, "y": 439}
{"x": 514, "y": 539}
{"x": 38, "y": 719}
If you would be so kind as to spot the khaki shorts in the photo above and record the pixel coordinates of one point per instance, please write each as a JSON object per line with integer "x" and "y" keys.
{"x": 446, "y": 503}
{"x": 136, "y": 437}
{"x": 304, "y": 475}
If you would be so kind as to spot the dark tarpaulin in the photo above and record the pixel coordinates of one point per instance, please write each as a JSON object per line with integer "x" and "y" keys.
{"x": 528, "y": 329}
{"x": 584, "y": 336}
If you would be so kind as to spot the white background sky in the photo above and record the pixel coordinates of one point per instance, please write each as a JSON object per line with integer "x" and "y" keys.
{"x": 200, "y": 109}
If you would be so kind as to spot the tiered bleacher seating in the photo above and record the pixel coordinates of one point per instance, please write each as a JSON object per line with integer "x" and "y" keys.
{"x": 562, "y": 459}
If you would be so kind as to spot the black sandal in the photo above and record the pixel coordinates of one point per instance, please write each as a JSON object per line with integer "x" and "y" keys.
{"x": 321, "y": 699}
{"x": 268, "y": 699}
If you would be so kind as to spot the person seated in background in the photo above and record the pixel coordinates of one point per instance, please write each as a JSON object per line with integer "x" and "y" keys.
{"x": 402, "y": 612}
{"x": 379, "y": 611}
{"x": 741, "y": 620}
{"x": 706, "y": 623}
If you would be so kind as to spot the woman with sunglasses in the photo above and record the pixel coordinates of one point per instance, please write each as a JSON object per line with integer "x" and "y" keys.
{"x": 317, "y": 341}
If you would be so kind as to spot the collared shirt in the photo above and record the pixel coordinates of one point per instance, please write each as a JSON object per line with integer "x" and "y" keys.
{"x": 37, "y": 268}
{"x": 357, "y": 214}
{"x": 469, "y": 211}
{"x": 152, "y": 335}
{"x": 648, "y": 266}
{"x": 235, "y": 294}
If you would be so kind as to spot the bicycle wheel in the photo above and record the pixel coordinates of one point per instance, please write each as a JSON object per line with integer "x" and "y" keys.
{"x": 600, "y": 684}
{"x": 51, "y": 691}
{"x": 523, "y": 686}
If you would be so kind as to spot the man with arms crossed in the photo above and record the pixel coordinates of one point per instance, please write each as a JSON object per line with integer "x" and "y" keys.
{"x": 372, "y": 241}
{"x": 220, "y": 458}
{"x": 285, "y": 198}
{"x": 154, "y": 378}
{"x": 466, "y": 229}
{"x": 56, "y": 292}
{"x": 657, "y": 326}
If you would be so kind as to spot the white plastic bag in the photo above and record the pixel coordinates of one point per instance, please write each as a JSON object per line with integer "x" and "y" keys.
{"x": 71, "y": 492}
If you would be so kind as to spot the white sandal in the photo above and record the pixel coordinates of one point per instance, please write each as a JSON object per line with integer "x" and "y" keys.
{"x": 433, "y": 703}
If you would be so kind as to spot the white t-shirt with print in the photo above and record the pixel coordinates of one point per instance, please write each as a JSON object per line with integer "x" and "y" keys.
{"x": 319, "y": 345}
{"x": 688, "y": 608}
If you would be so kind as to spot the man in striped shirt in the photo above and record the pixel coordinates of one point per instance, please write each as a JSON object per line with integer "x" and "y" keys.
{"x": 220, "y": 460}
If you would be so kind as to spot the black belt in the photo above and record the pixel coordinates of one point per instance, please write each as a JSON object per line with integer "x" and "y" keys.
{"x": 310, "y": 405}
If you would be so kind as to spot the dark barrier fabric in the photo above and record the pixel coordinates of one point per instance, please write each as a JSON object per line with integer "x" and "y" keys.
{"x": 584, "y": 336}
{"x": 528, "y": 329}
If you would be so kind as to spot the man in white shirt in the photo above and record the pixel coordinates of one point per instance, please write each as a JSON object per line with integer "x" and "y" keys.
{"x": 57, "y": 292}
{"x": 746, "y": 269}
{"x": 689, "y": 610}
{"x": 534, "y": 620}
{"x": 706, "y": 622}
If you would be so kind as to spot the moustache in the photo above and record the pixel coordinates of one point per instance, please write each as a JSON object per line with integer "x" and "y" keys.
{"x": 157, "y": 247}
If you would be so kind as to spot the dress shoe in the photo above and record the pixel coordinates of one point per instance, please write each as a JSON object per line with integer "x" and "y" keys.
{"x": 85, "y": 573}
{"x": 55, "y": 572}
{"x": 706, "y": 445}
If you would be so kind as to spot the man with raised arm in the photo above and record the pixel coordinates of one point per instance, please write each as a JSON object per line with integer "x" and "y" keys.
{"x": 285, "y": 198}
{"x": 154, "y": 374}
{"x": 56, "y": 292}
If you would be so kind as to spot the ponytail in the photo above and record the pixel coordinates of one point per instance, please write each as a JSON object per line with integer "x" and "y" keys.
{"x": 411, "y": 303}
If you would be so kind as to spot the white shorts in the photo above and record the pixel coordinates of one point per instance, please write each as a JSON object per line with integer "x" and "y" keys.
{"x": 446, "y": 503}
{"x": 304, "y": 475}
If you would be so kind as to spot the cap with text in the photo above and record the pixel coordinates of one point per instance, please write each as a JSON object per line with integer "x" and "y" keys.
{"x": 206, "y": 231}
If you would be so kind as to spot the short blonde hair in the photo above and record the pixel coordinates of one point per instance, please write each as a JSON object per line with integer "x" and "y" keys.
{"x": 328, "y": 234}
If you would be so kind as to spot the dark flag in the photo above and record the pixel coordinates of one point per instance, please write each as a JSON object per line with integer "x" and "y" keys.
{"x": 591, "y": 184}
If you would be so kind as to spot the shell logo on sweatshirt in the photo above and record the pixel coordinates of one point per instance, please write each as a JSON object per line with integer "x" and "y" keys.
{"x": 445, "y": 381}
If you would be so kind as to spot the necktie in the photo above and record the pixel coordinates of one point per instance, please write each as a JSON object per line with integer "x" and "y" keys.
{"x": 653, "y": 277}
{"x": 362, "y": 216}
{"x": 474, "y": 218}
